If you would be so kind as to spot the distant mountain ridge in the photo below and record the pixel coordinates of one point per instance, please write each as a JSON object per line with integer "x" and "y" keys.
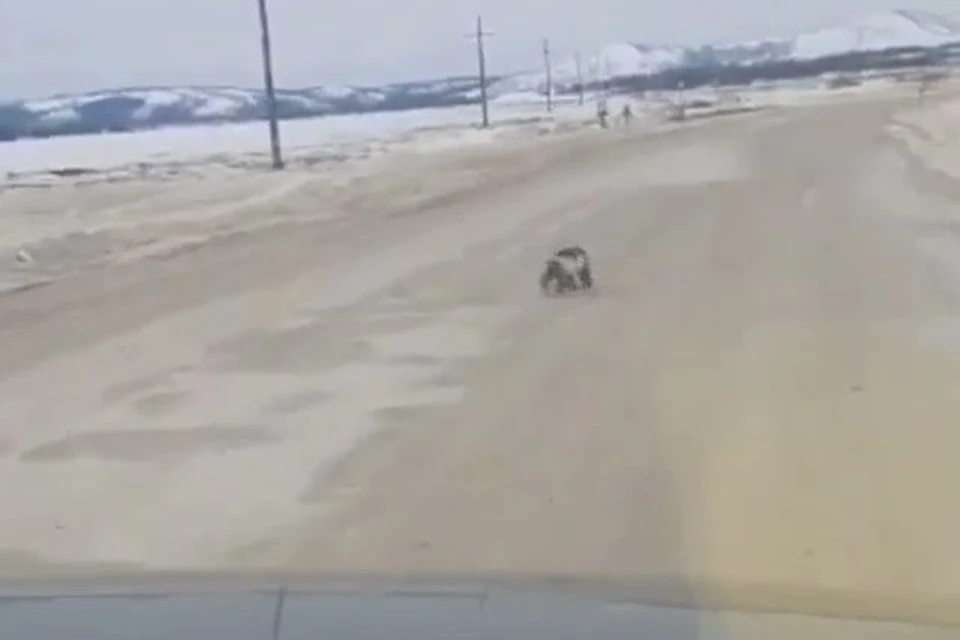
{"x": 144, "y": 107}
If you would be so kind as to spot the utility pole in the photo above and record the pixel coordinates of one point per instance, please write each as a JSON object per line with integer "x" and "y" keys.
{"x": 277, "y": 159}
{"x": 482, "y": 68}
{"x": 576, "y": 57}
{"x": 549, "y": 76}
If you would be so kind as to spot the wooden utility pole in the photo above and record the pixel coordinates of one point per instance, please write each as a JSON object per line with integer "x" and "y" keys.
{"x": 482, "y": 68}
{"x": 549, "y": 73}
{"x": 576, "y": 57}
{"x": 275, "y": 155}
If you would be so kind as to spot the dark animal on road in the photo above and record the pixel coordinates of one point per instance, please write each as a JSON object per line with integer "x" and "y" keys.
{"x": 568, "y": 269}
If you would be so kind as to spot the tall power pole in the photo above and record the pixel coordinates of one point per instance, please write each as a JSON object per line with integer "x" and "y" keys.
{"x": 276, "y": 157}
{"x": 576, "y": 57}
{"x": 482, "y": 68}
{"x": 546, "y": 64}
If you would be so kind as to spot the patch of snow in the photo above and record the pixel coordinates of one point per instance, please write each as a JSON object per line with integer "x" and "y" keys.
{"x": 628, "y": 59}
{"x": 50, "y": 104}
{"x": 64, "y": 114}
{"x": 519, "y": 97}
{"x": 216, "y": 106}
{"x": 336, "y": 92}
{"x": 159, "y": 97}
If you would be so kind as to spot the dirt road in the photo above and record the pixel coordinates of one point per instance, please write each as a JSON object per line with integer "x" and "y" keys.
{"x": 758, "y": 406}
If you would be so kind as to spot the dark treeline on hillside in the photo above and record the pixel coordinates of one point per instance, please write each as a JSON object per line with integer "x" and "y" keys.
{"x": 739, "y": 75}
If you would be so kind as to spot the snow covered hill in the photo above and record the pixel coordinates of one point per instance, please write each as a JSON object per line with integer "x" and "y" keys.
{"x": 892, "y": 30}
{"x": 162, "y": 105}
{"x": 140, "y": 107}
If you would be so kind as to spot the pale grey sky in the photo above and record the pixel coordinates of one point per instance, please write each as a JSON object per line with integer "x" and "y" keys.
{"x": 50, "y": 46}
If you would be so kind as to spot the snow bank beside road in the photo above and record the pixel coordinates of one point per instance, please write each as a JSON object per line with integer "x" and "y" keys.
{"x": 932, "y": 134}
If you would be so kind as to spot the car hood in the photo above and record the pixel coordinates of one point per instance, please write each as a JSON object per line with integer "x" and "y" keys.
{"x": 231, "y": 608}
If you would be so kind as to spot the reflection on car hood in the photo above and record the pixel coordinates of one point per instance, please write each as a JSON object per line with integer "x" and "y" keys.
{"x": 215, "y": 609}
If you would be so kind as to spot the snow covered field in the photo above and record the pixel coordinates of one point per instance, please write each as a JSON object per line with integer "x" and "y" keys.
{"x": 317, "y": 141}
{"x": 305, "y": 142}
{"x": 151, "y": 193}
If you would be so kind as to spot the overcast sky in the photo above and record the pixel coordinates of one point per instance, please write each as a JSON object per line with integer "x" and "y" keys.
{"x": 50, "y": 46}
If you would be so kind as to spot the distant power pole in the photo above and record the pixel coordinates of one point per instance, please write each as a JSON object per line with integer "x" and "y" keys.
{"x": 546, "y": 64}
{"x": 276, "y": 157}
{"x": 482, "y": 68}
{"x": 576, "y": 57}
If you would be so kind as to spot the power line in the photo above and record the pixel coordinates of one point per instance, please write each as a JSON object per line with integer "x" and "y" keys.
{"x": 275, "y": 155}
{"x": 482, "y": 68}
{"x": 546, "y": 64}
